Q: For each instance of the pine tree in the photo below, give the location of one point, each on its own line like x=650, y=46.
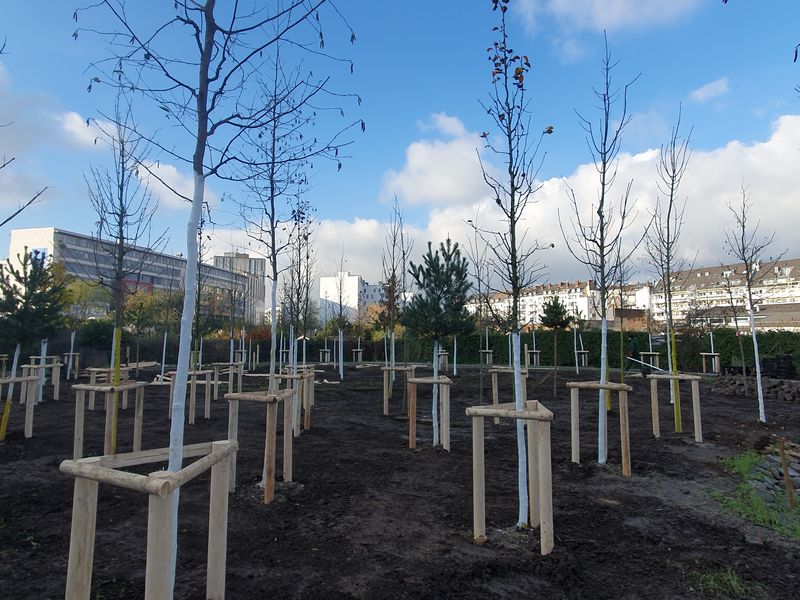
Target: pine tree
x=555, y=317
x=439, y=309
x=32, y=303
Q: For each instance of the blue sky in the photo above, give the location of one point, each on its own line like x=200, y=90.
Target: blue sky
x=421, y=70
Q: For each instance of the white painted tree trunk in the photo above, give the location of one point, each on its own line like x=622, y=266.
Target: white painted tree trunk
x=341, y=355
x=14, y=365
x=762, y=414
x=671, y=365
x=455, y=355
x=71, y=350
x=42, y=361
x=184, y=347
x=435, y=401
x=575, y=348
x=385, y=351
x=164, y=354
x=230, y=351
x=393, y=361
x=602, y=427
x=200, y=356
x=522, y=456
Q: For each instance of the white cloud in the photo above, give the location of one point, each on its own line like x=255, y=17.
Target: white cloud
x=713, y=89
x=168, y=185
x=599, y=15
x=439, y=171
x=78, y=131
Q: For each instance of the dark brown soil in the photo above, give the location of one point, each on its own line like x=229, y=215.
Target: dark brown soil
x=369, y=518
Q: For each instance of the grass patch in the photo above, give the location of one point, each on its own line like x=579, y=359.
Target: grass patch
x=726, y=583
x=749, y=504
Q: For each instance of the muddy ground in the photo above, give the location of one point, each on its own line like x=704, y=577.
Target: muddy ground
x=369, y=518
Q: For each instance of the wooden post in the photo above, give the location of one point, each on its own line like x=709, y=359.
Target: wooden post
x=81, y=544
x=269, y=451
x=527, y=358
x=624, y=436
x=137, y=419
x=157, y=581
x=308, y=386
x=56, y=379
x=77, y=443
x=111, y=409
x=233, y=434
x=478, y=482
x=444, y=399
x=545, y=489
x=287, y=440
x=412, y=415
x=230, y=377
x=192, y=397
x=386, y=383
x=575, y=422
x=494, y=394
x=654, y=408
x=698, y=425
x=533, y=469
x=297, y=400
x=218, y=526
x=30, y=402
x=207, y=412
x=240, y=373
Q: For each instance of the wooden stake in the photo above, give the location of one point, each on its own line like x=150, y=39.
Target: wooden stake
x=654, y=408
x=575, y=424
x=233, y=434
x=624, y=435
x=218, y=525
x=494, y=394
x=478, y=482
x=30, y=402
x=545, y=489
x=192, y=397
x=412, y=415
x=287, y=440
x=157, y=581
x=533, y=472
x=207, y=412
x=386, y=382
x=81, y=543
x=698, y=424
x=137, y=419
x=77, y=443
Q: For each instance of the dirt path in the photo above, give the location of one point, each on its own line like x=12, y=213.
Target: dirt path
x=368, y=518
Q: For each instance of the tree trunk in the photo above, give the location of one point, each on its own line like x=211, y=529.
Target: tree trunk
x=435, y=401
x=522, y=455
x=762, y=416
x=7, y=406
x=602, y=411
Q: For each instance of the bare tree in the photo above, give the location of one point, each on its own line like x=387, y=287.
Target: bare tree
x=302, y=268
x=747, y=245
x=516, y=147
x=662, y=238
x=735, y=309
x=204, y=82
x=124, y=245
x=5, y=161
x=596, y=242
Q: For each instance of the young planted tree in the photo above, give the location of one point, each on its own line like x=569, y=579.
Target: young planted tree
x=746, y=244
x=32, y=302
x=735, y=309
x=199, y=64
x=595, y=240
x=556, y=318
x=285, y=148
x=515, y=146
x=663, y=236
x=123, y=245
x=439, y=307
x=394, y=261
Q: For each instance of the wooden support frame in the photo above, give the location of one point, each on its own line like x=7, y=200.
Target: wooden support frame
x=536, y=355
x=104, y=375
x=583, y=357
x=55, y=374
x=358, y=355
x=324, y=356
x=409, y=370
x=715, y=362
x=160, y=487
x=192, y=381
x=444, y=384
x=540, y=487
x=109, y=391
x=624, y=434
x=505, y=370
x=270, y=442
x=28, y=392
x=651, y=358
x=696, y=416
x=302, y=387
x=230, y=369
x=3, y=365
x=486, y=357
x=443, y=356
x=76, y=363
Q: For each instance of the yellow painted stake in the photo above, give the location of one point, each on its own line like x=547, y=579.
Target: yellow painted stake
x=677, y=394
x=4, y=423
